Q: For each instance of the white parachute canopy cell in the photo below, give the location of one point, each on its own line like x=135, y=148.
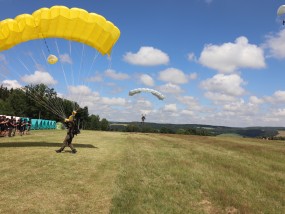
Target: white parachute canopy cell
x=281, y=10
x=154, y=92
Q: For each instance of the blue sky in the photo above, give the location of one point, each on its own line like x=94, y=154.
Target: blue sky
x=218, y=62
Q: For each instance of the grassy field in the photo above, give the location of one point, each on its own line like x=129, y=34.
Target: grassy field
x=281, y=133
x=141, y=173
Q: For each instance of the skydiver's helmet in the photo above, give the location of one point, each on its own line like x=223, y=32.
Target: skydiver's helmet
x=74, y=113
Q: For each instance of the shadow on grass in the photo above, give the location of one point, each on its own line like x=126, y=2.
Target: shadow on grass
x=42, y=144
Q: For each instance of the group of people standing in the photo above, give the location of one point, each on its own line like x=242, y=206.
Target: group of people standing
x=10, y=126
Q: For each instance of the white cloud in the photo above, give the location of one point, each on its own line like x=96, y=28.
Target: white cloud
x=279, y=112
x=40, y=67
x=227, y=85
x=255, y=100
x=229, y=57
x=147, y=56
x=219, y=97
x=96, y=78
x=193, y=76
x=276, y=45
x=277, y=97
x=113, y=101
x=170, y=88
x=116, y=75
x=191, y=102
x=170, y=107
x=65, y=58
x=144, y=103
x=173, y=75
x=11, y=84
x=79, y=90
x=146, y=80
x=192, y=57
x=39, y=77
x=187, y=112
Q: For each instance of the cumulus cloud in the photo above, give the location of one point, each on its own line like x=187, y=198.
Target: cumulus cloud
x=219, y=97
x=277, y=97
x=279, y=112
x=65, y=58
x=96, y=78
x=187, y=112
x=144, y=103
x=170, y=107
x=255, y=100
x=39, y=77
x=241, y=109
x=116, y=75
x=229, y=57
x=147, y=56
x=170, y=88
x=173, y=75
x=226, y=85
x=79, y=90
x=113, y=101
x=146, y=80
x=275, y=44
x=11, y=84
x=191, y=102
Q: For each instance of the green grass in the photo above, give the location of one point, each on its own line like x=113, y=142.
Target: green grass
x=141, y=173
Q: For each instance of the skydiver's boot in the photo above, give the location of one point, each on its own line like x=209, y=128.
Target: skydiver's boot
x=74, y=151
x=59, y=151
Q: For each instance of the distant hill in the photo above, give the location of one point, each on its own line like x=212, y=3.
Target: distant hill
x=213, y=130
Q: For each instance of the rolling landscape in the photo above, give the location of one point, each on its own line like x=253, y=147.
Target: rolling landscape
x=255, y=132
x=121, y=172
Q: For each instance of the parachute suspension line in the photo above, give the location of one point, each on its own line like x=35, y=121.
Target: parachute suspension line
x=52, y=102
x=44, y=55
x=38, y=98
x=24, y=65
x=44, y=104
x=46, y=45
x=7, y=69
x=72, y=71
x=57, y=103
x=80, y=69
x=63, y=71
x=45, y=41
x=4, y=70
x=34, y=60
x=61, y=65
x=108, y=68
x=3, y=74
x=92, y=64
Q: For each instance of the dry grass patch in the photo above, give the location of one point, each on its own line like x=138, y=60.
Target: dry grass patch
x=141, y=173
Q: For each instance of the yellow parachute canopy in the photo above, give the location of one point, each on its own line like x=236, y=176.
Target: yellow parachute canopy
x=52, y=59
x=60, y=22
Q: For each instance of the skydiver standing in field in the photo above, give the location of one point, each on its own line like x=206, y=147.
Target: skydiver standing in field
x=143, y=119
x=70, y=123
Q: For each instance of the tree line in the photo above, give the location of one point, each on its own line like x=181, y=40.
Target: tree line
x=17, y=102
